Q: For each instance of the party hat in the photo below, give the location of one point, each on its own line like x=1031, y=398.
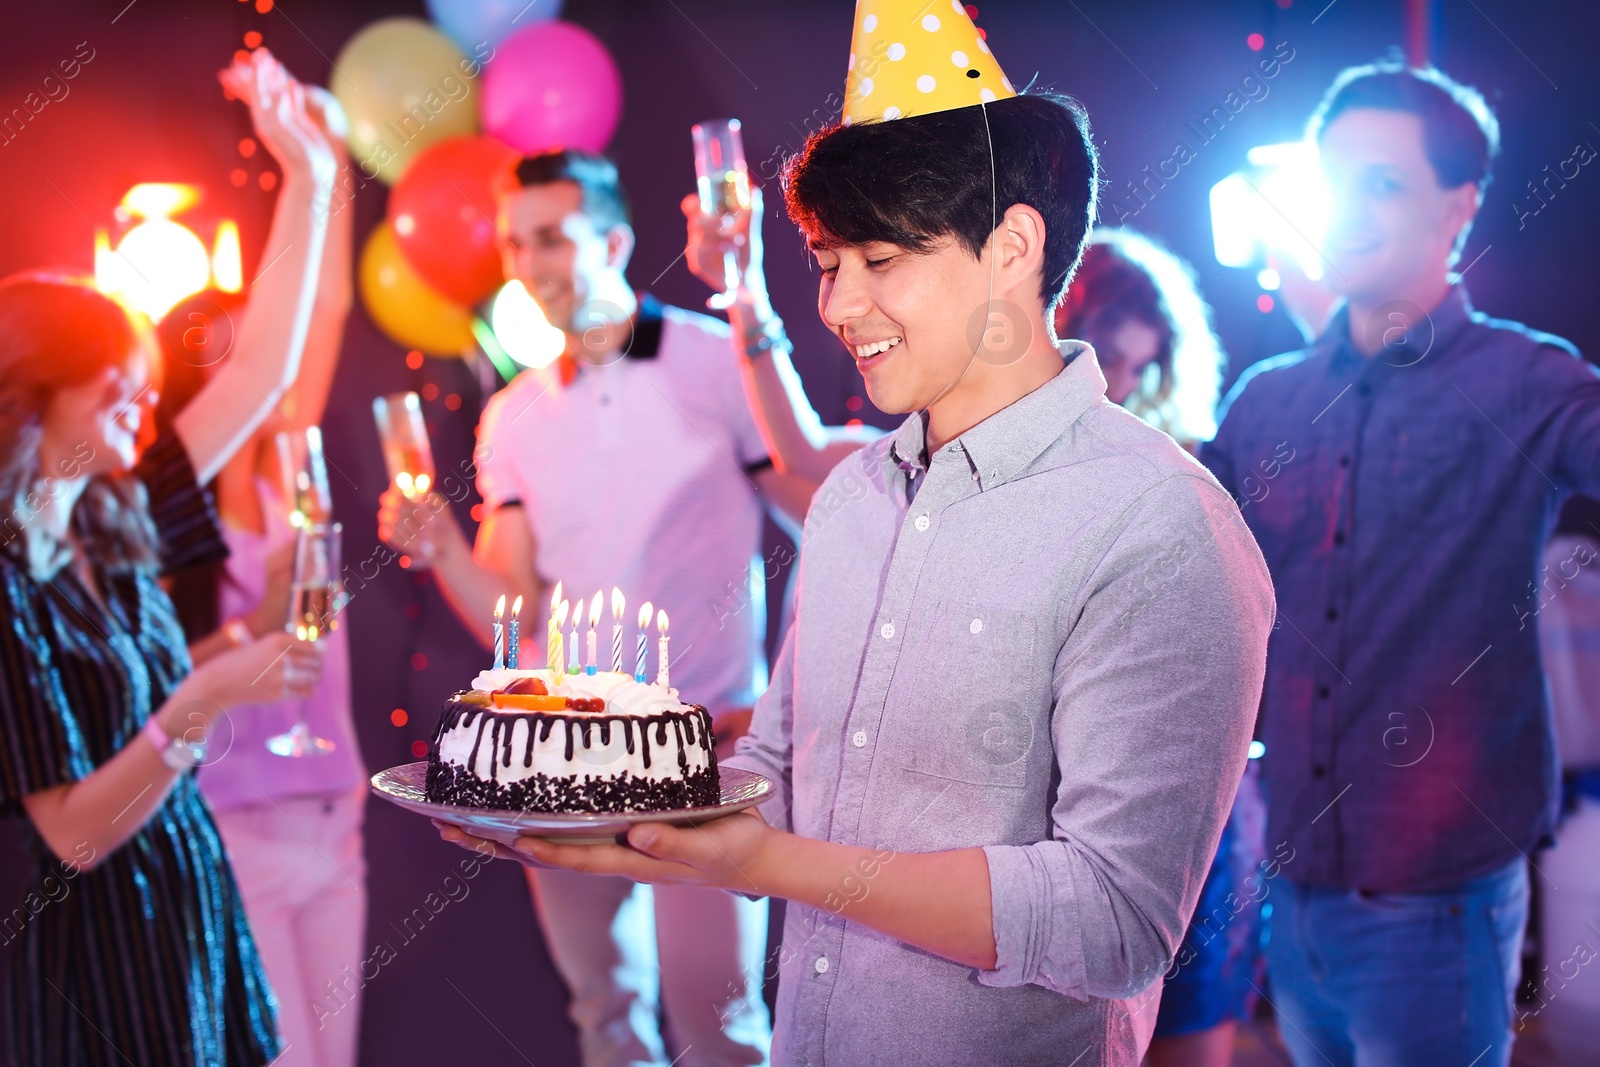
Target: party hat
x=916, y=57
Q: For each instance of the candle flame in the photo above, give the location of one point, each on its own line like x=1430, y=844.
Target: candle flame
x=555, y=599
x=516, y=608
x=500, y=608
x=561, y=615
x=618, y=604
x=644, y=615
x=594, y=609
x=661, y=620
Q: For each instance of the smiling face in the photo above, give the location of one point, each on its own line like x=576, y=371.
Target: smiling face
x=553, y=247
x=1391, y=224
x=93, y=428
x=907, y=318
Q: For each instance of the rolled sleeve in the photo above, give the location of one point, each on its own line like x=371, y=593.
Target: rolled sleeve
x=1157, y=686
x=768, y=748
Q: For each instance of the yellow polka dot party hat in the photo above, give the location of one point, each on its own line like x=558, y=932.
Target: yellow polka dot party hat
x=916, y=57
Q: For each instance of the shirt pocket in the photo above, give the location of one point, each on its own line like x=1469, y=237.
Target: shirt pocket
x=977, y=706
x=1431, y=474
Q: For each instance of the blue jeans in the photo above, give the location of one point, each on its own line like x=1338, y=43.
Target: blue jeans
x=1398, y=980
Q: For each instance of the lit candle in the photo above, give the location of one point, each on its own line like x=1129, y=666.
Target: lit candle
x=499, y=633
x=661, y=650
x=594, y=620
x=618, y=604
x=573, y=666
x=552, y=637
x=644, y=625
x=511, y=645
x=557, y=621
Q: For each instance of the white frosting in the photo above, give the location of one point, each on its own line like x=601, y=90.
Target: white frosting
x=601, y=759
x=623, y=695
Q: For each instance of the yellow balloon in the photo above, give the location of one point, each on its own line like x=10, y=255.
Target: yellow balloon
x=403, y=305
x=403, y=86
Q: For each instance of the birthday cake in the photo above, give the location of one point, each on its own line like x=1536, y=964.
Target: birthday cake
x=538, y=740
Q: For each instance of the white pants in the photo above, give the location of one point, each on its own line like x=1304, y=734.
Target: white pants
x=301, y=872
x=625, y=950
x=1568, y=1006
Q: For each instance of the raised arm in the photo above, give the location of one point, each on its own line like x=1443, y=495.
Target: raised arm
x=796, y=438
x=308, y=398
x=268, y=347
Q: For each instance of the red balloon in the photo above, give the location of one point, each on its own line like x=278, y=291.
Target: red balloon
x=442, y=210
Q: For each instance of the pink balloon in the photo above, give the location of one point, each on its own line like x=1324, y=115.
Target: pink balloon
x=552, y=85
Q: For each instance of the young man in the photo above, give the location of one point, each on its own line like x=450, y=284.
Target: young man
x=1403, y=475
x=635, y=463
x=1010, y=716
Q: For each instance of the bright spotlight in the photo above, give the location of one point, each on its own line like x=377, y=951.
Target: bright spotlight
x=1279, y=203
x=522, y=329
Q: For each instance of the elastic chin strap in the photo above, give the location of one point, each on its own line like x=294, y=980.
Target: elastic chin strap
x=994, y=223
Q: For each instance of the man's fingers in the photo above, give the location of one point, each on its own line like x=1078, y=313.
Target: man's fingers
x=602, y=859
x=457, y=836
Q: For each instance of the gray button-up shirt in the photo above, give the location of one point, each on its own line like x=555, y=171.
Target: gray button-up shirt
x=1402, y=502
x=1046, y=640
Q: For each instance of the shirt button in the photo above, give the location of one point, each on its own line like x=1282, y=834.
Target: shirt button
x=976, y=626
x=886, y=631
x=922, y=522
x=1319, y=771
x=1322, y=691
x=1344, y=461
x=1333, y=614
x=860, y=739
x=821, y=965
x=1338, y=538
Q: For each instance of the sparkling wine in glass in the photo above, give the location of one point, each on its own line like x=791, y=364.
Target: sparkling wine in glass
x=316, y=594
x=406, y=451
x=305, y=476
x=724, y=186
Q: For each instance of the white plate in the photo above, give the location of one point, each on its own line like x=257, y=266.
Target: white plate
x=404, y=785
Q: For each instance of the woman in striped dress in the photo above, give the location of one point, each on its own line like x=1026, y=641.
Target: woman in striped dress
x=130, y=945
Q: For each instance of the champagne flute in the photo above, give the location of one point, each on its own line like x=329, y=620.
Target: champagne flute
x=724, y=186
x=305, y=476
x=316, y=594
x=406, y=451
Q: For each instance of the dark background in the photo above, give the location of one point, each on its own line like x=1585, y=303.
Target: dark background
x=476, y=986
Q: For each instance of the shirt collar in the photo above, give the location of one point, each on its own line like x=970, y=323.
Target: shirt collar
x=1434, y=332
x=1006, y=443
x=644, y=342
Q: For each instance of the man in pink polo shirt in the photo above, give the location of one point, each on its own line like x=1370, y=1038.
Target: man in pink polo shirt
x=632, y=462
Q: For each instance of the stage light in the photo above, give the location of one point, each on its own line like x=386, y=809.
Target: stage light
x=1268, y=279
x=1277, y=204
x=225, y=266
x=159, y=262
x=160, y=200
x=521, y=328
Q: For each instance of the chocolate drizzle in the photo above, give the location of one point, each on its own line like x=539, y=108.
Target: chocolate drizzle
x=448, y=783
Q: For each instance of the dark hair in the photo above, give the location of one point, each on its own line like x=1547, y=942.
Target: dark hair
x=1125, y=276
x=1459, y=133
x=58, y=331
x=596, y=176
x=911, y=181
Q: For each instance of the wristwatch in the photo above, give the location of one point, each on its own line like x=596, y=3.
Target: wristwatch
x=178, y=753
x=771, y=337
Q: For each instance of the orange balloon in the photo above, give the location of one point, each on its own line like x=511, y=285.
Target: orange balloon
x=404, y=306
